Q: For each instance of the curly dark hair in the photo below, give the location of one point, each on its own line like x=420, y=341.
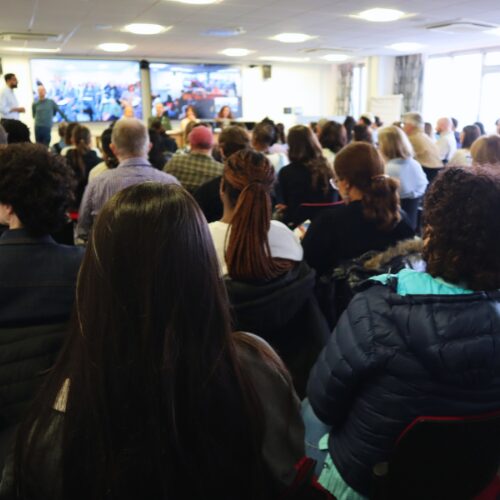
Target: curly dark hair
x=461, y=227
x=38, y=185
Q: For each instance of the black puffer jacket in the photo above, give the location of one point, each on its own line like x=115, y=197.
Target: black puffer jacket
x=392, y=358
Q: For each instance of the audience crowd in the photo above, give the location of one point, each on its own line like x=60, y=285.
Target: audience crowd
x=256, y=315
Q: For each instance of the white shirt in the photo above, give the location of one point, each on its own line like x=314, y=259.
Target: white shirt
x=284, y=244
x=277, y=160
x=8, y=100
x=447, y=146
x=462, y=158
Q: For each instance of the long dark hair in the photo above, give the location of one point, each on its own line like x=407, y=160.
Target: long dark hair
x=333, y=136
x=304, y=148
x=248, y=179
x=159, y=405
x=362, y=166
x=82, y=139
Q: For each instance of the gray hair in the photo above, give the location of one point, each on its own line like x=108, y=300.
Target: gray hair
x=130, y=137
x=414, y=119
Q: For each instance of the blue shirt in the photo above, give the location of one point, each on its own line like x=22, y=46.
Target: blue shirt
x=412, y=179
x=8, y=101
x=44, y=111
x=100, y=189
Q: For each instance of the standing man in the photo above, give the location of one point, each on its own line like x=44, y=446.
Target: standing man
x=446, y=144
x=9, y=107
x=43, y=111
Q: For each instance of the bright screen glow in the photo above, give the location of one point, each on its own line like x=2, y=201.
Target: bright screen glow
x=207, y=87
x=90, y=91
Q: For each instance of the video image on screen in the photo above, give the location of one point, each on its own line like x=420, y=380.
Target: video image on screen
x=206, y=87
x=90, y=90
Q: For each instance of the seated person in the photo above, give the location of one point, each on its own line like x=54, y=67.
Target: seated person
x=37, y=275
x=109, y=158
x=161, y=116
x=154, y=395
x=264, y=136
x=60, y=145
x=17, y=131
x=168, y=144
x=231, y=139
x=197, y=166
x=333, y=137
x=486, y=150
x=306, y=179
x=369, y=219
x=463, y=156
x=416, y=343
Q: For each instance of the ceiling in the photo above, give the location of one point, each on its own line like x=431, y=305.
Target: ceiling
x=84, y=24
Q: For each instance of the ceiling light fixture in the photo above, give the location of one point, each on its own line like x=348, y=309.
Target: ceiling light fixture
x=335, y=57
x=145, y=28
x=235, y=52
x=284, y=59
x=196, y=2
x=114, y=47
x=406, y=46
x=292, y=37
x=30, y=49
x=379, y=15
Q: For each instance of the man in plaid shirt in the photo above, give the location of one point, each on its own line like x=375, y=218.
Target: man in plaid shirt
x=196, y=167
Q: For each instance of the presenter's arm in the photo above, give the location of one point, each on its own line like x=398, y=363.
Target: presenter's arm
x=57, y=109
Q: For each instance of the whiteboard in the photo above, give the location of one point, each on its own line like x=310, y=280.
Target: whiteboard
x=387, y=107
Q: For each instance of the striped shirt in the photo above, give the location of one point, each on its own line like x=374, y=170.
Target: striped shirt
x=100, y=189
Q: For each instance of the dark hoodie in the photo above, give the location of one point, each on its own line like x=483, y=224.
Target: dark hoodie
x=395, y=356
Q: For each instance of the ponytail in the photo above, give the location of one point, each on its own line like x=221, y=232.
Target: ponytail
x=248, y=179
x=381, y=202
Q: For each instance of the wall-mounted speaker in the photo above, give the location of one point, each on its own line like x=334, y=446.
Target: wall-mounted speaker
x=266, y=71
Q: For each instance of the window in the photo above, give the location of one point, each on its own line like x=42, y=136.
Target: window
x=358, y=91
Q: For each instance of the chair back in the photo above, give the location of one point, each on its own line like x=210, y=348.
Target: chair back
x=441, y=458
x=410, y=206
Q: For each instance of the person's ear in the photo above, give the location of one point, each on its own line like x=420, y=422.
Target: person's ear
x=113, y=148
x=150, y=146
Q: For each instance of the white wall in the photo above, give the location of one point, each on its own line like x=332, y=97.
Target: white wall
x=308, y=89
x=380, y=76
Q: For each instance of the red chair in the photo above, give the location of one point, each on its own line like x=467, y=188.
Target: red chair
x=442, y=458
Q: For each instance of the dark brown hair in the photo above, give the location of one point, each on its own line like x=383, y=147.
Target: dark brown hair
x=471, y=133
x=333, y=136
x=81, y=140
x=68, y=137
x=264, y=134
x=461, y=227
x=232, y=139
x=230, y=117
x=160, y=404
x=248, y=179
x=304, y=148
x=362, y=166
x=361, y=133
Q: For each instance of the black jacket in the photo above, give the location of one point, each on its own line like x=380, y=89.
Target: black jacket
x=393, y=358
x=285, y=313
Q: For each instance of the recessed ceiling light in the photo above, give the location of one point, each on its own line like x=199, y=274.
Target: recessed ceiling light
x=196, y=2
x=114, y=47
x=335, y=57
x=284, y=59
x=234, y=52
x=292, y=37
x=30, y=49
x=406, y=46
x=379, y=15
x=145, y=29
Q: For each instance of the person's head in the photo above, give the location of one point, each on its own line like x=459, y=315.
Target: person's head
x=191, y=113
x=17, y=131
x=42, y=92
x=10, y=80
x=35, y=189
x=233, y=139
x=359, y=172
x=130, y=139
x=461, y=227
x=160, y=109
x=429, y=129
x=108, y=156
x=225, y=112
x=304, y=148
x=81, y=138
x=4, y=140
x=366, y=119
x=413, y=122
x=61, y=130
x=68, y=138
x=349, y=123
x=361, y=133
x=201, y=139
x=378, y=122
x=333, y=136
x=444, y=125
x=497, y=124
x=486, y=150
x=263, y=136
x=319, y=126
x=155, y=155
x=394, y=143
x=469, y=134
x=246, y=194
x=481, y=127
x=128, y=112
x=454, y=123
x=280, y=132
x=189, y=128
